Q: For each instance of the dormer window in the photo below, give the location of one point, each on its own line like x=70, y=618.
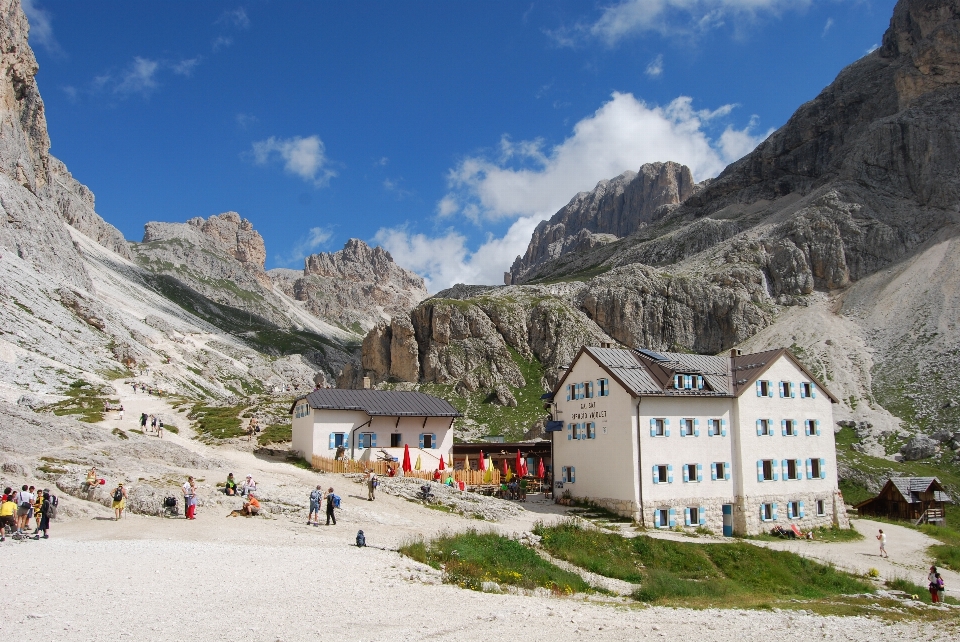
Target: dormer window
x=688, y=382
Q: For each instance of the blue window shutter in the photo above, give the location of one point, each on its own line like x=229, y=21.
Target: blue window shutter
x=784, y=468
x=673, y=517
x=669, y=473
x=656, y=475
x=771, y=424
x=817, y=425
x=763, y=513
x=723, y=427
x=702, y=517
x=759, y=427
x=798, y=464
x=333, y=441
x=809, y=469
x=776, y=472
x=713, y=472
x=583, y=430
x=433, y=441
x=806, y=427
x=573, y=474
x=666, y=427
x=656, y=519
x=568, y=392
x=593, y=430
x=696, y=427
x=823, y=469
x=759, y=392
x=726, y=471
x=699, y=383
x=421, y=441
x=699, y=472
x=686, y=517
x=653, y=427
x=796, y=432
x=774, y=511
x=569, y=432
x=813, y=390
x=759, y=470
x=683, y=428
x=360, y=441
x=780, y=388
x=686, y=473
x=374, y=443
x=783, y=427
x=801, y=510
x=793, y=393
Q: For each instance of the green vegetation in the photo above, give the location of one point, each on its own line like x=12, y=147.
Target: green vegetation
x=119, y=433
x=696, y=575
x=946, y=554
x=275, y=434
x=469, y=559
x=83, y=399
x=220, y=422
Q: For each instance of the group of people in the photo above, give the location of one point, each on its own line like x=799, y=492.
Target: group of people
x=18, y=507
x=332, y=501
x=514, y=490
x=935, y=585
x=247, y=489
x=142, y=387
x=151, y=424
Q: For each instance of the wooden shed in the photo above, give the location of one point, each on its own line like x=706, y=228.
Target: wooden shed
x=917, y=499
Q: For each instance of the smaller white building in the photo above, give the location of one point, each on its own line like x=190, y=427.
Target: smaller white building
x=364, y=422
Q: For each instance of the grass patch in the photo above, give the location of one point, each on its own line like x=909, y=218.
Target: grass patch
x=84, y=400
x=300, y=462
x=471, y=558
x=172, y=428
x=119, y=433
x=682, y=573
x=220, y=422
x=275, y=434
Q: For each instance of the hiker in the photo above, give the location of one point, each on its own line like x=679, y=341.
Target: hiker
x=372, y=484
x=143, y=420
x=153, y=423
x=8, y=513
x=119, y=501
x=523, y=489
x=24, y=507
x=37, y=510
x=230, y=488
x=932, y=585
x=120, y=415
x=189, y=499
x=91, y=479
x=251, y=507
x=160, y=428
x=316, y=496
x=940, y=587
x=44, y=523
x=249, y=486
x=882, y=537
x=330, y=507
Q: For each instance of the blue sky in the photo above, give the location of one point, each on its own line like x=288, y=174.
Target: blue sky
x=442, y=130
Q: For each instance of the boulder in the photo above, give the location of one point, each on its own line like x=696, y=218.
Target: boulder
x=920, y=447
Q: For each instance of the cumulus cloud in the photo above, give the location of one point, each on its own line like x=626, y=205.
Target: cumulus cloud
x=220, y=42
x=139, y=78
x=315, y=239
x=303, y=157
x=41, y=27
x=669, y=18
x=528, y=181
x=185, y=67
x=234, y=18
x=655, y=68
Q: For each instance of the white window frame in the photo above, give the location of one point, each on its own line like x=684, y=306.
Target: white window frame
x=661, y=427
x=765, y=430
x=816, y=471
x=399, y=437
x=428, y=440
x=772, y=464
x=821, y=507
x=685, y=424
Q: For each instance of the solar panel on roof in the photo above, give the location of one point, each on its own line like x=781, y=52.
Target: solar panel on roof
x=653, y=355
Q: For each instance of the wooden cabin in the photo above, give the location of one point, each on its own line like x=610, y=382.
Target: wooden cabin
x=917, y=499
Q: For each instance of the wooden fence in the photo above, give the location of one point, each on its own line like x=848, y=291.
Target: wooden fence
x=468, y=477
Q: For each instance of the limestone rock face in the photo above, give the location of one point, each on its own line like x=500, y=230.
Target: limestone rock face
x=236, y=235
x=356, y=287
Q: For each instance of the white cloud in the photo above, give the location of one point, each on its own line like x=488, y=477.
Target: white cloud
x=304, y=157
x=140, y=77
x=220, y=42
x=245, y=120
x=827, y=27
x=872, y=48
x=41, y=27
x=185, y=67
x=655, y=68
x=234, y=18
x=316, y=238
x=382, y=162
x=670, y=18
x=529, y=182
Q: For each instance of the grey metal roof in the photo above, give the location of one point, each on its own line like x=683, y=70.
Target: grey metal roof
x=637, y=374
x=391, y=403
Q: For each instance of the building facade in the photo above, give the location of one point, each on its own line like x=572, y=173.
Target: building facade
x=362, y=423
x=733, y=444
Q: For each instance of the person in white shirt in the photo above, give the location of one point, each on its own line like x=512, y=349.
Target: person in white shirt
x=249, y=486
x=189, y=499
x=882, y=537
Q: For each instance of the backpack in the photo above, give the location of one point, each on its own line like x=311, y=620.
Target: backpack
x=118, y=495
x=336, y=501
x=361, y=539
x=375, y=482
x=54, y=501
x=315, y=496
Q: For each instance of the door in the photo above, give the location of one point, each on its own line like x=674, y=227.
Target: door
x=728, y=520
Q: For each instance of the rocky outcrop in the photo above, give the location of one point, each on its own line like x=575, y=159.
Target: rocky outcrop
x=236, y=236
x=920, y=447
x=357, y=286
x=614, y=209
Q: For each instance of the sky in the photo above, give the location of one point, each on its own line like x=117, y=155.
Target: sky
x=444, y=131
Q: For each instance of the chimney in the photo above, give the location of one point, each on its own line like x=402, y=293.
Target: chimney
x=734, y=353
x=366, y=383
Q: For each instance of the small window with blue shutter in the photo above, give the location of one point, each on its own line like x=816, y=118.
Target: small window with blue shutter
x=570, y=432
x=691, y=472
x=815, y=466
x=591, y=430
x=420, y=444
x=669, y=473
x=687, y=427
x=588, y=387
x=662, y=516
x=673, y=517
x=604, y=387
x=808, y=390
x=768, y=512
x=569, y=392
x=658, y=427
x=766, y=470
x=713, y=472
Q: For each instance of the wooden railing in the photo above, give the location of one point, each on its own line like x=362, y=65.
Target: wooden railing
x=468, y=477
x=929, y=516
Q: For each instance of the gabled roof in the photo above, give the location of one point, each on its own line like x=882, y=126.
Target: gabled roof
x=644, y=372
x=910, y=488
x=390, y=403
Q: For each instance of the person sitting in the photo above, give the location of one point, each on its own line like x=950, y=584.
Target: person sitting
x=449, y=481
x=230, y=488
x=391, y=471
x=251, y=507
x=437, y=475
x=249, y=486
x=91, y=479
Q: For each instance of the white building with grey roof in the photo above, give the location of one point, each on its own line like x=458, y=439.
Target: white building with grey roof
x=362, y=423
x=733, y=444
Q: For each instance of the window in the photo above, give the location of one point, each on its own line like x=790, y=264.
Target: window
x=427, y=440
x=792, y=470
x=795, y=510
x=808, y=390
x=568, y=474
x=766, y=470
x=661, y=518
x=764, y=388
x=603, y=387
x=815, y=469
x=301, y=410
x=396, y=440
x=338, y=440
x=659, y=427
x=717, y=427
x=588, y=387
x=720, y=471
x=821, y=508
x=688, y=427
x=786, y=389
x=591, y=430
x=788, y=427
x=694, y=516
x=812, y=427
x=768, y=512
x=763, y=428
x=367, y=440
x=663, y=474
x=692, y=472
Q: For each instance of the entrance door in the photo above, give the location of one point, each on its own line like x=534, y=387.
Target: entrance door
x=728, y=520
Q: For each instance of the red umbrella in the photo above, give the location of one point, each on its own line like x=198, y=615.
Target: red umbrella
x=506, y=466
x=526, y=471
x=541, y=472
x=406, y=458
x=442, y=465
x=519, y=466
x=483, y=464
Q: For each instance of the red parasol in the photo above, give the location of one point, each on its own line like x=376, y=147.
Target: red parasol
x=526, y=470
x=541, y=472
x=442, y=465
x=406, y=458
x=519, y=466
x=506, y=466
x=483, y=464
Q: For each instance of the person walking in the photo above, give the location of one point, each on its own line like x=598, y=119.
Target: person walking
x=372, y=484
x=160, y=428
x=120, y=414
x=44, y=524
x=316, y=496
x=143, y=420
x=330, y=507
x=933, y=585
x=882, y=537
x=119, y=501
x=153, y=423
x=189, y=499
